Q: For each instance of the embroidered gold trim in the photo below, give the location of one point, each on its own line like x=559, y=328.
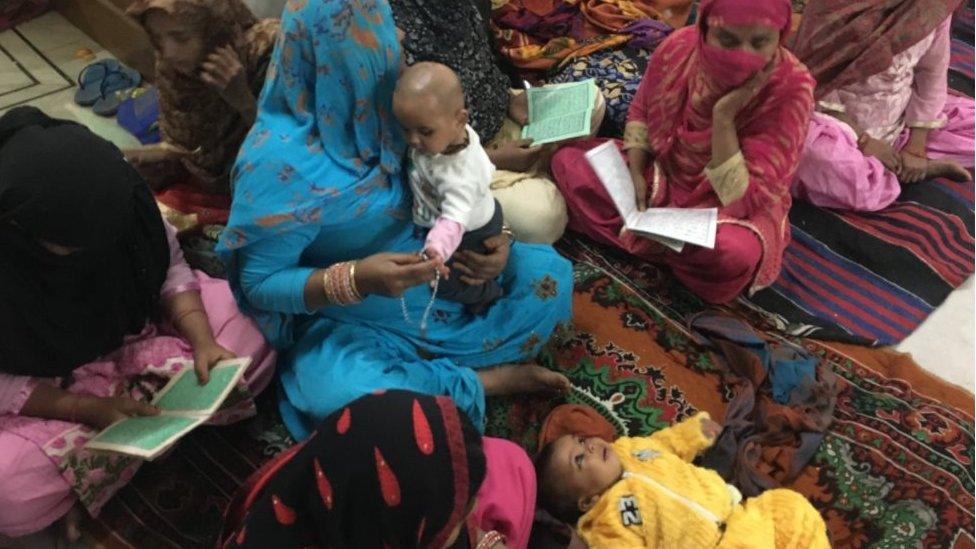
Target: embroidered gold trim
x=730, y=180
x=635, y=136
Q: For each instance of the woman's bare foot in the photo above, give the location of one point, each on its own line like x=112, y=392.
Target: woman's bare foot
x=509, y=379
x=949, y=169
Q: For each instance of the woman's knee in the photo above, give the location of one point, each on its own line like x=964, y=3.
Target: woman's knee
x=33, y=494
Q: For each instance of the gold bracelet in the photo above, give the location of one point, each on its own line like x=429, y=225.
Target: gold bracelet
x=325, y=285
x=352, y=280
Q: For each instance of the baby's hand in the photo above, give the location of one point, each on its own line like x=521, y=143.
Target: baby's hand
x=432, y=254
x=710, y=428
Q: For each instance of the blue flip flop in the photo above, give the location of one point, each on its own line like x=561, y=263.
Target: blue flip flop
x=90, y=81
x=114, y=90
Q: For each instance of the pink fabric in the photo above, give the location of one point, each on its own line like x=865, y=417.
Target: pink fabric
x=834, y=173
x=46, y=455
x=14, y=392
x=675, y=101
x=717, y=275
x=730, y=68
x=911, y=91
x=506, y=500
x=444, y=238
x=772, y=13
x=179, y=277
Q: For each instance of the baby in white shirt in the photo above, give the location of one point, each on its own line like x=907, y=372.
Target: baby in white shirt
x=449, y=173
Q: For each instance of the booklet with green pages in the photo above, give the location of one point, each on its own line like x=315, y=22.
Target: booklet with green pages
x=560, y=111
x=183, y=405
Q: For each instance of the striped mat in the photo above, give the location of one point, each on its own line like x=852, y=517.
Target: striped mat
x=872, y=278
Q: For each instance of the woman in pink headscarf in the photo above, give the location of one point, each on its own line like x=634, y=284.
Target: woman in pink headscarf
x=718, y=121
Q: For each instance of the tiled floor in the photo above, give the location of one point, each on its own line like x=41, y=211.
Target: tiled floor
x=41, y=58
x=39, y=62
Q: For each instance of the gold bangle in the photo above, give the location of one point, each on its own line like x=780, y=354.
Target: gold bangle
x=352, y=280
x=325, y=285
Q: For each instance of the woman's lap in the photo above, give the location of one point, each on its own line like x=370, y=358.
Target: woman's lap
x=24, y=462
x=834, y=173
x=352, y=352
x=716, y=275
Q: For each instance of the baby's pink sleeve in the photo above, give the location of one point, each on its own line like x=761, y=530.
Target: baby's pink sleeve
x=444, y=238
x=14, y=392
x=179, y=277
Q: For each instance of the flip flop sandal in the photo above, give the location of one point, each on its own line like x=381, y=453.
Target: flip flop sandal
x=90, y=81
x=115, y=89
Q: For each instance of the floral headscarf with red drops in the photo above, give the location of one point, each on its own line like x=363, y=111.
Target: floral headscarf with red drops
x=396, y=469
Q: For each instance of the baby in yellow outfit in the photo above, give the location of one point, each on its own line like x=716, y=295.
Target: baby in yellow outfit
x=645, y=492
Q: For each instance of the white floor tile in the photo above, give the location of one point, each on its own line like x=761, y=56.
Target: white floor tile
x=945, y=344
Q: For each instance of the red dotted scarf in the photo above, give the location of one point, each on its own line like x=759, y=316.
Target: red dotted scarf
x=396, y=469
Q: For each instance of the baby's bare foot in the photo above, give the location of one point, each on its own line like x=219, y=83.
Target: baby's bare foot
x=510, y=379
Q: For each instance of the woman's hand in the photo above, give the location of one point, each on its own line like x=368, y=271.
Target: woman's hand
x=475, y=268
x=391, y=274
x=731, y=103
x=152, y=154
x=883, y=152
x=206, y=357
x=103, y=411
x=224, y=72
x=518, y=107
x=913, y=168
x=640, y=189
x=515, y=156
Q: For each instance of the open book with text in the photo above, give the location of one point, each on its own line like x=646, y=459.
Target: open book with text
x=183, y=405
x=672, y=227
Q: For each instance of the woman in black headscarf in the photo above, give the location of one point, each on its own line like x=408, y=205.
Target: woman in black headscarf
x=97, y=308
x=392, y=469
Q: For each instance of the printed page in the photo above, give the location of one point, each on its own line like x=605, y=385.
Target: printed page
x=612, y=171
x=184, y=395
x=144, y=436
x=669, y=226
x=692, y=225
x=559, y=112
x=184, y=404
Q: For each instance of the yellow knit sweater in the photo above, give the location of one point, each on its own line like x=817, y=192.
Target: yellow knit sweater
x=665, y=501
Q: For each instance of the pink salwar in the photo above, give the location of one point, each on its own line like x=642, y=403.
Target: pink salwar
x=834, y=173
x=44, y=470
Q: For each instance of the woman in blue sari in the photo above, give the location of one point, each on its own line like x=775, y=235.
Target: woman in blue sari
x=318, y=182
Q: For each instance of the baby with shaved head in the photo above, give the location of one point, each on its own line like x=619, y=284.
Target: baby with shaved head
x=450, y=175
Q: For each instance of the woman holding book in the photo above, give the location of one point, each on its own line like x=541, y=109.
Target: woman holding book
x=97, y=310
x=718, y=121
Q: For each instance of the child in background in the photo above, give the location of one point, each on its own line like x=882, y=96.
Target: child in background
x=645, y=492
x=450, y=175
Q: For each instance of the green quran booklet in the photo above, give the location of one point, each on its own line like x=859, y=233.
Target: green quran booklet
x=560, y=111
x=183, y=405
